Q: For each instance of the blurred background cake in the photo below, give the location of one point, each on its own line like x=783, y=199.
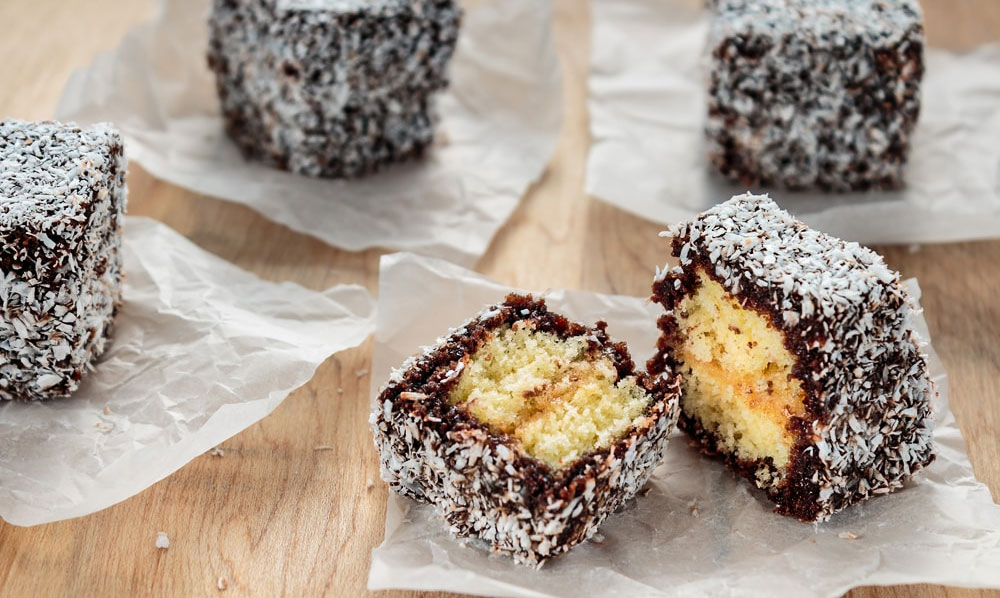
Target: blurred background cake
x=331, y=88
x=814, y=93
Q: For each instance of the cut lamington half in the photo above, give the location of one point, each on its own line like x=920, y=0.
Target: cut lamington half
x=523, y=429
x=801, y=366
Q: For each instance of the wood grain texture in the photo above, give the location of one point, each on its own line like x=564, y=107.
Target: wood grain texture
x=275, y=515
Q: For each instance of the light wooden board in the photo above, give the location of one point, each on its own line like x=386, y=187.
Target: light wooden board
x=276, y=517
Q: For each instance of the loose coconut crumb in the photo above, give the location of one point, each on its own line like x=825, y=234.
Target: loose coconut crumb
x=162, y=541
x=217, y=452
x=222, y=584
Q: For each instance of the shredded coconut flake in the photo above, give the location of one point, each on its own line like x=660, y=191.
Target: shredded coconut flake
x=162, y=541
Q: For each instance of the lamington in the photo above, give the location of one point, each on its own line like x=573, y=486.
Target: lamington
x=801, y=366
x=62, y=204
x=523, y=429
x=331, y=88
x=814, y=93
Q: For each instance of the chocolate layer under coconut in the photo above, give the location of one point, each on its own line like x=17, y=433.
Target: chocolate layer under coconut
x=492, y=482
x=801, y=365
x=62, y=203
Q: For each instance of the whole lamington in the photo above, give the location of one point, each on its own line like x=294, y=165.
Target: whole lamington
x=332, y=88
x=523, y=429
x=62, y=203
x=801, y=366
x=814, y=93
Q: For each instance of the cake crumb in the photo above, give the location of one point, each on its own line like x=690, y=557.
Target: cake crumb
x=597, y=538
x=361, y=373
x=217, y=452
x=222, y=584
x=323, y=447
x=106, y=410
x=104, y=427
x=848, y=535
x=370, y=484
x=693, y=508
x=162, y=541
x=340, y=390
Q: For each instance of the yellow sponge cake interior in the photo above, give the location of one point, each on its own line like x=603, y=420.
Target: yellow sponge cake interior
x=738, y=376
x=558, y=399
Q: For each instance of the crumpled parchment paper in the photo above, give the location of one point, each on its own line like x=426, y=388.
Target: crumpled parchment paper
x=648, y=156
x=500, y=119
x=201, y=350
x=699, y=531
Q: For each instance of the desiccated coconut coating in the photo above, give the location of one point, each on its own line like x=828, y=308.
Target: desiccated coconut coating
x=814, y=93
x=485, y=484
x=333, y=88
x=846, y=319
x=62, y=203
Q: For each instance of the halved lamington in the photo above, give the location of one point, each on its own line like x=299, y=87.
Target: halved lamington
x=62, y=203
x=801, y=366
x=523, y=428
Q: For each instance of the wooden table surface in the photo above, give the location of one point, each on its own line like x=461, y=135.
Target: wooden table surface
x=275, y=517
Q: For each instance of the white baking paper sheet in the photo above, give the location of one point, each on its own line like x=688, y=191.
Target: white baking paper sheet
x=699, y=531
x=647, y=111
x=201, y=350
x=499, y=124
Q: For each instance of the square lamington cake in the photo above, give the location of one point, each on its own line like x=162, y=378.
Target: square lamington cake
x=801, y=366
x=814, y=93
x=332, y=88
x=62, y=203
